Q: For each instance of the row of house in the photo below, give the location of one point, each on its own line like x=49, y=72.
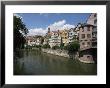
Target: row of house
x=56, y=37
x=34, y=40
x=85, y=33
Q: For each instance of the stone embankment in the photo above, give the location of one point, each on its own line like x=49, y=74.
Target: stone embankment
x=58, y=52
x=64, y=53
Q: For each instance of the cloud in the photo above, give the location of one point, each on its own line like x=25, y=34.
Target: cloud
x=68, y=26
x=37, y=31
x=59, y=25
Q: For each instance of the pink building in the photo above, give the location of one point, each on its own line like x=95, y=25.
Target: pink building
x=88, y=40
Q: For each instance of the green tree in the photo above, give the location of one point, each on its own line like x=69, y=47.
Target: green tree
x=61, y=44
x=55, y=47
x=46, y=46
x=20, y=32
x=73, y=48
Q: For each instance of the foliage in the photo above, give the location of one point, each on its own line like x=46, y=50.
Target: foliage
x=73, y=47
x=46, y=46
x=66, y=47
x=55, y=47
x=37, y=46
x=20, y=31
x=61, y=44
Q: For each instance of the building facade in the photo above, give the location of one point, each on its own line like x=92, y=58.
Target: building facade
x=88, y=39
x=71, y=35
x=55, y=39
x=33, y=40
x=64, y=36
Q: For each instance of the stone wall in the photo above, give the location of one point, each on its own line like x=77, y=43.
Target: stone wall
x=64, y=53
x=58, y=52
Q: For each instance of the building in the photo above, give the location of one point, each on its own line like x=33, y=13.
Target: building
x=76, y=29
x=85, y=40
x=71, y=34
x=85, y=36
x=88, y=39
x=55, y=39
x=92, y=20
x=34, y=40
x=45, y=40
x=64, y=36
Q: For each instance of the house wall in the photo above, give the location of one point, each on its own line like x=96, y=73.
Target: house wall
x=85, y=42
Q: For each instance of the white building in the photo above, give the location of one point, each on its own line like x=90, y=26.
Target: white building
x=71, y=35
x=55, y=39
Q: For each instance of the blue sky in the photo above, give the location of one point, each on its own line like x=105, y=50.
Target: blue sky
x=37, y=22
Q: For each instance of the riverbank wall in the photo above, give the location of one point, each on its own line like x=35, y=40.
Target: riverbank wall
x=57, y=52
x=64, y=53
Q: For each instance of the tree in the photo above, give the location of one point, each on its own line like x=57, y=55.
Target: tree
x=61, y=44
x=73, y=48
x=46, y=46
x=20, y=31
x=55, y=47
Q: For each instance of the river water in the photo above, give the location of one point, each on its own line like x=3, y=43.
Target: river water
x=34, y=62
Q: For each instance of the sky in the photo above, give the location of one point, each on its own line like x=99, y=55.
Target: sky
x=38, y=23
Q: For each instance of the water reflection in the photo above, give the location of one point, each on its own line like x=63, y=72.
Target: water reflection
x=34, y=62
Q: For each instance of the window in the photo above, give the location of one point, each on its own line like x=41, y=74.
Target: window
x=88, y=28
x=88, y=57
x=88, y=36
x=88, y=43
x=83, y=35
x=83, y=43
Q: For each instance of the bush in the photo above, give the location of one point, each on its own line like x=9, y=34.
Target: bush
x=55, y=47
x=46, y=46
x=61, y=45
x=73, y=47
x=66, y=47
x=37, y=46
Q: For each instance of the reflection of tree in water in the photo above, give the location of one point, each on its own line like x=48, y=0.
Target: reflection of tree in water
x=19, y=62
x=19, y=67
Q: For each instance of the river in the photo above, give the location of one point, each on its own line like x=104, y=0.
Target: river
x=34, y=62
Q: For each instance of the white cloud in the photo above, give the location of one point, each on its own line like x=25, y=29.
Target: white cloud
x=60, y=25
x=37, y=31
x=68, y=26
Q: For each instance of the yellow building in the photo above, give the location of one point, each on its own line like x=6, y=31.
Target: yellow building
x=64, y=35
